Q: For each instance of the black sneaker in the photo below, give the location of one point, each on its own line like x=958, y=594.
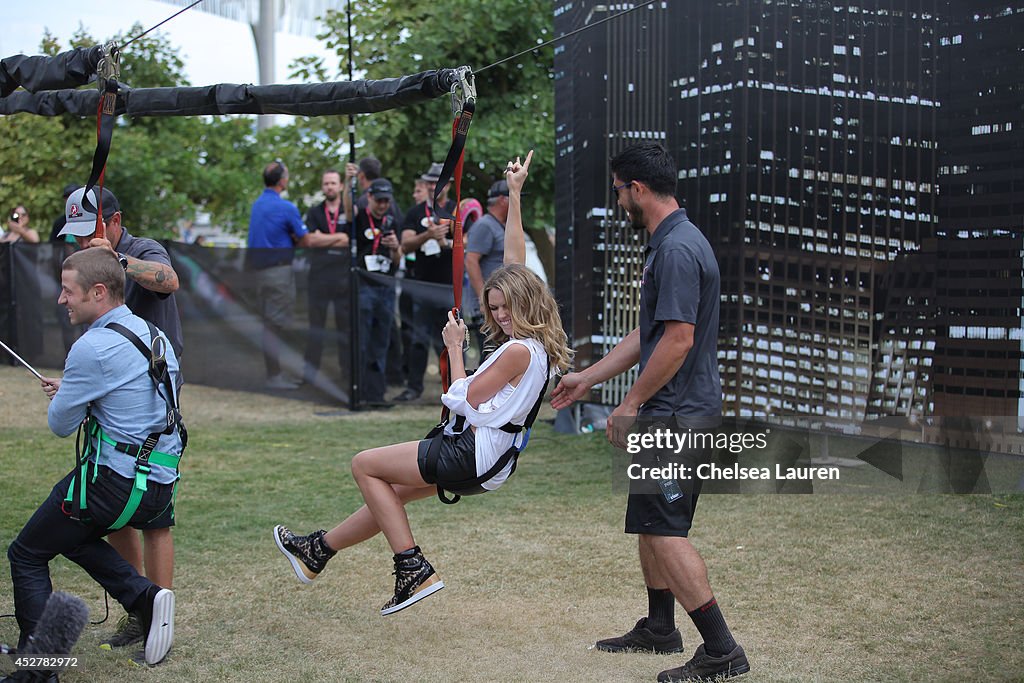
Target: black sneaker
x=704, y=667
x=129, y=631
x=415, y=579
x=156, y=615
x=308, y=554
x=642, y=639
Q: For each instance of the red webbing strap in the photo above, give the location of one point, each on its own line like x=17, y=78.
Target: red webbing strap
x=458, y=249
x=460, y=127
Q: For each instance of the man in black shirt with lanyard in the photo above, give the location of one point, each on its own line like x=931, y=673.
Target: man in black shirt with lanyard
x=378, y=252
x=328, y=270
x=430, y=238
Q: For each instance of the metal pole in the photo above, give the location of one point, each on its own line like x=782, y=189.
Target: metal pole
x=353, y=279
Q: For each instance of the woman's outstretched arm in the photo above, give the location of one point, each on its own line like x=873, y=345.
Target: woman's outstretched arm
x=515, y=239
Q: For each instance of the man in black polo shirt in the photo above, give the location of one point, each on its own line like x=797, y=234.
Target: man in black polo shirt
x=328, y=273
x=378, y=251
x=430, y=239
x=676, y=346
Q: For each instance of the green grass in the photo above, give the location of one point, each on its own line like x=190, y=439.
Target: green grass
x=816, y=587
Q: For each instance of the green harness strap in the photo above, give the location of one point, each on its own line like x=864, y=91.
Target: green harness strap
x=94, y=434
x=144, y=454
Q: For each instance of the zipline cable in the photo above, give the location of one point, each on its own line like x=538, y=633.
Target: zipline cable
x=160, y=24
x=571, y=33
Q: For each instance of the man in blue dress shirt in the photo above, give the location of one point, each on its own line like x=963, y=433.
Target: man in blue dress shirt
x=275, y=229
x=106, y=379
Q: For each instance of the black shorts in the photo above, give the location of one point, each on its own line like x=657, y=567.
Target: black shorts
x=651, y=513
x=155, y=511
x=455, y=462
x=164, y=521
x=648, y=509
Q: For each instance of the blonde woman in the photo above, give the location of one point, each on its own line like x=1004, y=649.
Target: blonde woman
x=521, y=318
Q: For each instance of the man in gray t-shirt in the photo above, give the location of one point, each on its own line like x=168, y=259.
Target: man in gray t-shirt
x=676, y=347
x=485, y=250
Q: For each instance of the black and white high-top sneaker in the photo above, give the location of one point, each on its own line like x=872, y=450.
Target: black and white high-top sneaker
x=415, y=579
x=307, y=554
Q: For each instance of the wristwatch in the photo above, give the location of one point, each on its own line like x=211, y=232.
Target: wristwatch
x=123, y=260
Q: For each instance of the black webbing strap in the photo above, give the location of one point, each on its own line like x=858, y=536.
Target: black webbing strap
x=511, y=455
x=105, y=117
x=454, y=158
x=161, y=377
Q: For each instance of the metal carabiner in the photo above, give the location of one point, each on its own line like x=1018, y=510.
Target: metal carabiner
x=463, y=89
x=159, y=350
x=109, y=66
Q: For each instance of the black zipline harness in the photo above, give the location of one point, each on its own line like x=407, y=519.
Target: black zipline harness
x=107, y=73
x=74, y=504
x=436, y=437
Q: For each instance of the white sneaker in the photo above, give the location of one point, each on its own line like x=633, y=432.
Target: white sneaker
x=281, y=382
x=160, y=634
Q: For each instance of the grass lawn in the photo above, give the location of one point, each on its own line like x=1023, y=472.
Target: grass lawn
x=816, y=587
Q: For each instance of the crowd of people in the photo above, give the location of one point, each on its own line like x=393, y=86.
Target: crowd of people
x=121, y=383
x=395, y=332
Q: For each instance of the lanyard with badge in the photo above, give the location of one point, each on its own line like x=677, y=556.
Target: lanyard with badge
x=431, y=247
x=375, y=263
x=332, y=223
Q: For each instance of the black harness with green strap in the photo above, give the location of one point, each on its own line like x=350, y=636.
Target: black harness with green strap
x=75, y=503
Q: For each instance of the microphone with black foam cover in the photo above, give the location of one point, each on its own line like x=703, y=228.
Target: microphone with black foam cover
x=61, y=624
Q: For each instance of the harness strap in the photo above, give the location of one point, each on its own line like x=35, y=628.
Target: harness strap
x=510, y=455
x=155, y=457
x=453, y=164
x=104, y=134
x=144, y=453
x=161, y=376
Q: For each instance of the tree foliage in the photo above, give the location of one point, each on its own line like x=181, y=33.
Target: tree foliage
x=515, y=109
x=161, y=168
x=165, y=168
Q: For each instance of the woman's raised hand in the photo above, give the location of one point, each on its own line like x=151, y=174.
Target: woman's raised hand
x=516, y=172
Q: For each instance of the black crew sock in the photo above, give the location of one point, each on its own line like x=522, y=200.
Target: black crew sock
x=661, y=610
x=708, y=619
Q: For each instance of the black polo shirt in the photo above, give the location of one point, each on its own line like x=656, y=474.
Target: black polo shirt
x=435, y=267
x=333, y=262
x=158, y=308
x=681, y=282
x=369, y=232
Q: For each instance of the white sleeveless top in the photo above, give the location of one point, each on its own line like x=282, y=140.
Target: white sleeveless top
x=510, y=404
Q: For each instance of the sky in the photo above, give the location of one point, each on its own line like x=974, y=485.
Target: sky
x=214, y=50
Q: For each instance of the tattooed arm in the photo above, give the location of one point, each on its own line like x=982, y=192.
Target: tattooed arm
x=153, y=275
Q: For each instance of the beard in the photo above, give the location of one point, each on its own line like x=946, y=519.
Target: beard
x=636, y=217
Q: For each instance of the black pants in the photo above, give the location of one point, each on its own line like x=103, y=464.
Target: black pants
x=323, y=293
x=50, y=532
x=427, y=321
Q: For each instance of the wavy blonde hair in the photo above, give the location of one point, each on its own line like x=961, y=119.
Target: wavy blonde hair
x=534, y=313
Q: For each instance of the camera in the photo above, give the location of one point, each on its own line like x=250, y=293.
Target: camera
x=15, y=216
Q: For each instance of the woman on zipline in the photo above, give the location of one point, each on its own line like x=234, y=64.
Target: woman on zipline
x=521, y=317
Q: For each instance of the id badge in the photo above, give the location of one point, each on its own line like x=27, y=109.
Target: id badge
x=431, y=248
x=670, y=489
x=376, y=263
